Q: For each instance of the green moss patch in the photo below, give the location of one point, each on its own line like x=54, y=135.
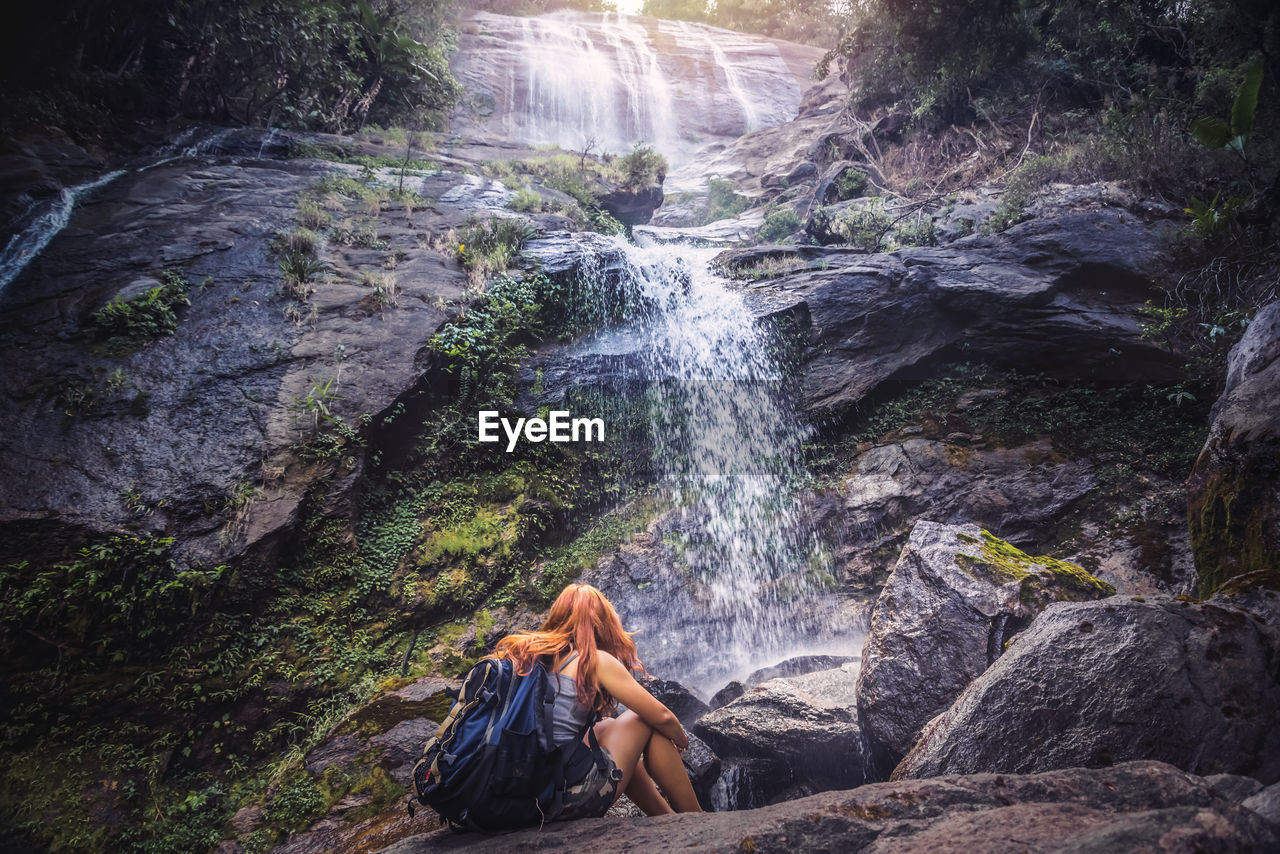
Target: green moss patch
x=1042, y=578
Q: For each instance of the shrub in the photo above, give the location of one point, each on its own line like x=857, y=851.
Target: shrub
x=865, y=227
x=494, y=245
x=151, y=314
x=526, y=199
x=851, y=184
x=723, y=201
x=643, y=167
x=779, y=223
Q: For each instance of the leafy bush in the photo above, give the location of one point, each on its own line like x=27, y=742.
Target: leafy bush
x=643, y=167
x=851, y=184
x=325, y=64
x=152, y=314
x=108, y=598
x=865, y=226
x=723, y=201
x=526, y=199
x=779, y=223
x=492, y=246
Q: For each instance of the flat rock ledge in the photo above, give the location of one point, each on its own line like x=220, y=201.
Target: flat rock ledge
x=1128, y=807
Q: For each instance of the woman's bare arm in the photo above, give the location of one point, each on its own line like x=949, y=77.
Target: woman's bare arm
x=614, y=677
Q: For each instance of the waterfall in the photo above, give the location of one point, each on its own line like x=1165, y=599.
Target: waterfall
x=24, y=246
x=568, y=78
x=571, y=93
x=727, y=445
x=732, y=76
x=31, y=241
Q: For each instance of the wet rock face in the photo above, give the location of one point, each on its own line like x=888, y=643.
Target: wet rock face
x=1060, y=293
x=1093, y=683
x=956, y=596
x=787, y=737
x=168, y=438
x=572, y=78
x=368, y=760
x=1233, y=494
x=1135, y=806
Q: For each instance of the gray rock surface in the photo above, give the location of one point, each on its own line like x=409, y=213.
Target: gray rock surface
x=1266, y=803
x=953, y=601
x=798, y=731
x=1092, y=683
x=169, y=439
x=1233, y=494
x=1060, y=294
x=1131, y=807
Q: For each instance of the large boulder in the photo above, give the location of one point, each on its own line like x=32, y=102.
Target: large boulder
x=1092, y=683
x=1138, y=806
x=1062, y=293
x=786, y=737
x=955, y=598
x=1233, y=494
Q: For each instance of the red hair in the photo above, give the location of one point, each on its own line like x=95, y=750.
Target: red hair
x=581, y=619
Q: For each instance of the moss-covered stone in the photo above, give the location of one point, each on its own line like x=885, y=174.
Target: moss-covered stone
x=1231, y=509
x=1042, y=578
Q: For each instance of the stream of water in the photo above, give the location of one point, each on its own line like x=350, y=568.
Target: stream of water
x=727, y=444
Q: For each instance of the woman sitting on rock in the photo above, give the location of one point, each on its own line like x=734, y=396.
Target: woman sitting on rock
x=590, y=656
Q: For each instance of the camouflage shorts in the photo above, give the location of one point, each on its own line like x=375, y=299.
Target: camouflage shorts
x=594, y=794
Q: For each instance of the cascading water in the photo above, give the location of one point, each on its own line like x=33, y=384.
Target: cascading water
x=573, y=78
x=727, y=445
x=25, y=245
x=31, y=241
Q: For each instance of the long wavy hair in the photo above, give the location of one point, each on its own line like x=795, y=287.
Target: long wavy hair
x=583, y=620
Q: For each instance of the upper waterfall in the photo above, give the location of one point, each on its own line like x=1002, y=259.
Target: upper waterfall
x=573, y=78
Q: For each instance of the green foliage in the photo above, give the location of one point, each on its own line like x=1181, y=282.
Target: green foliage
x=851, y=184
x=526, y=200
x=1217, y=133
x=493, y=246
x=108, y=598
x=317, y=404
x=865, y=226
x=562, y=564
x=297, y=804
x=780, y=222
x=723, y=201
x=1214, y=220
x=916, y=230
x=150, y=315
x=296, y=251
x=300, y=63
x=642, y=168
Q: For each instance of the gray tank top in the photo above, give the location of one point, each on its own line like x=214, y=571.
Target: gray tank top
x=569, y=717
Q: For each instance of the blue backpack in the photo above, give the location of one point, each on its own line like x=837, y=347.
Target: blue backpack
x=493, y=765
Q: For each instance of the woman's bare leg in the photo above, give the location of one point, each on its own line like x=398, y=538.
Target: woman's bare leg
x=625, y=738
x=644, y=794
x=667, y=767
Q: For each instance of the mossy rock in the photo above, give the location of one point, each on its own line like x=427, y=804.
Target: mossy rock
x=421, y=698
x=1043, y=579
x=1231, y=510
